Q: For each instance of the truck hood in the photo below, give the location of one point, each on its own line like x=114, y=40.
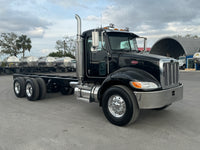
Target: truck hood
x=136, y=58
x=147, y=62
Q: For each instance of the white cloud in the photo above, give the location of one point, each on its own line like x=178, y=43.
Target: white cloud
x=45, y=51
x=72, y=3
x=17, y=21
x=177, y=27
x=37, y=32
x=61, y=28
x=92, y=18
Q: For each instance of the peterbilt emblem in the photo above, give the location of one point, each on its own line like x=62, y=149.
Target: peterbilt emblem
x=134, y=62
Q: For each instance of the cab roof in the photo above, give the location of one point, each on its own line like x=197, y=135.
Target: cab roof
x=109, y=31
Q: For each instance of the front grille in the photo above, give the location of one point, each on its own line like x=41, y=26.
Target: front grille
x=169, y=76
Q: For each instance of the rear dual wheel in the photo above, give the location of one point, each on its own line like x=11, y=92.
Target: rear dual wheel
x=42, y=88
x=35, y=89
x=19, y=87
x=32, y=88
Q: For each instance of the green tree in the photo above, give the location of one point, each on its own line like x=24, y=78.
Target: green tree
x=60, y=54
x=66, y=45
x=56, y=54
x=8, y=44
x=24, y=43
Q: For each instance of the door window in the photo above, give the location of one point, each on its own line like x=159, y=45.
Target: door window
x=96, y=58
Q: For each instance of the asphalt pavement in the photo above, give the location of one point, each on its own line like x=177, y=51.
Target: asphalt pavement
x=63, y=123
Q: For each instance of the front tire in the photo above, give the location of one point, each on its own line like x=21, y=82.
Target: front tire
x=120, y=105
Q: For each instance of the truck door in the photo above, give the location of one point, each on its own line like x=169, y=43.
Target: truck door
x=96, y=59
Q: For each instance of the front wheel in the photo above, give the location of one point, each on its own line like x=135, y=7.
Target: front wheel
x=120, y=105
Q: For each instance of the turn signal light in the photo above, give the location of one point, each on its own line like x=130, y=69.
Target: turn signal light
x=144, y=85
x=137, y=85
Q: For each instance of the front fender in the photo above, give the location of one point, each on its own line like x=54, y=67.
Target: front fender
x=123, y=76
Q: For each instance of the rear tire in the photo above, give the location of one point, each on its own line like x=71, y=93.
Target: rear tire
x=19, y=87
x=32, y=89
x=42, y=88
x=120, y=106
x=67, y=90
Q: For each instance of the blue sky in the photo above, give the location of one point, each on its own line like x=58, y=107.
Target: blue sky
x=46, y=21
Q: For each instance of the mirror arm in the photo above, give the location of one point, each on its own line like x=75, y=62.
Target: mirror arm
x=102, y=41
x=102, y=33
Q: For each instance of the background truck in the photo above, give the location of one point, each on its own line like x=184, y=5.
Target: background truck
x=182, y=62
x=111, y=71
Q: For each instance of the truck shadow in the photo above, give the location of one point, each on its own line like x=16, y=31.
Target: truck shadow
x=58, y=97
x=156, y=118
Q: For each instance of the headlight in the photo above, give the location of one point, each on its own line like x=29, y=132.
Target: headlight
x=144, y=85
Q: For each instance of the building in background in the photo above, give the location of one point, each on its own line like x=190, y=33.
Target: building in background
x=176, y=47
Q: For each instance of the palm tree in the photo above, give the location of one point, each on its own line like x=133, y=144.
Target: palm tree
x=24, y=43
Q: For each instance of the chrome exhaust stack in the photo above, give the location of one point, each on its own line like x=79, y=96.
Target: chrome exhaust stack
x=79, y=52
x=87, y=93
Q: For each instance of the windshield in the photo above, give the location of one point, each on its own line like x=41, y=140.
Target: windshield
x=123, y=42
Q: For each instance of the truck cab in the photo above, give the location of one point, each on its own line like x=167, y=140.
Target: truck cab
x=111, y=71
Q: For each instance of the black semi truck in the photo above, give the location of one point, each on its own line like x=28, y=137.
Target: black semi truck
x=112, y=72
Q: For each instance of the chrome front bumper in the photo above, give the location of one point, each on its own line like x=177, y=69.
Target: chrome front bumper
x=158, y=99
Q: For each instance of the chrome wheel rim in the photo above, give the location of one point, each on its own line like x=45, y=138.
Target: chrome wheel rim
x=29, y=90
x=17, y=87
x=117, y=106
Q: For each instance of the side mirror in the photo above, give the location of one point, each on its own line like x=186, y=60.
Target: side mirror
x=142, y=41
x=95, y=39
x=145, y=44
